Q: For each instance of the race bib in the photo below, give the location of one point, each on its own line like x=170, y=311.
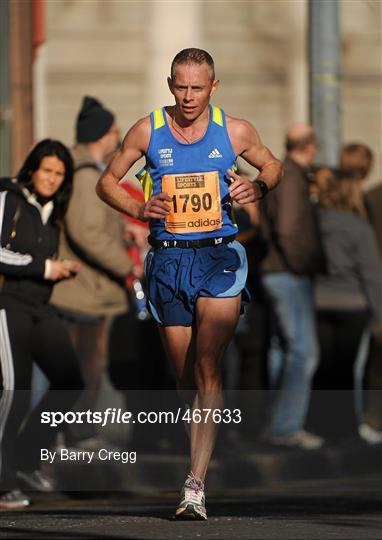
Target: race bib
x=195, y=205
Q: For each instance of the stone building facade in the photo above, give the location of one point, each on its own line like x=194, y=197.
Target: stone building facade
x=120, y=51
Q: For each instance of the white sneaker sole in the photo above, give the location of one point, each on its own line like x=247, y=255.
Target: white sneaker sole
x=13, y=505
x=191, y=512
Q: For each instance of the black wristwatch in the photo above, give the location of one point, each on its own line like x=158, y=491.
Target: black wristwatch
x=263, y=188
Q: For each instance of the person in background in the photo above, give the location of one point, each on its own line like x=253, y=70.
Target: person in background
x=374, y=199
x=348, y=298
x=93, y=236
x=294, y=256
x=31, y=206
x=373, y=401
x=357, y=159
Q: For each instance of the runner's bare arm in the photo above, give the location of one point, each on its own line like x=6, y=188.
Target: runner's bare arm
x=247, y=144
x=134, y=146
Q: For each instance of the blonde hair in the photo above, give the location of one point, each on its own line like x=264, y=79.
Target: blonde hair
x=339, y=190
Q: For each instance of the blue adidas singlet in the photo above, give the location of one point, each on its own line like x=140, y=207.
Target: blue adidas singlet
x=194, y=176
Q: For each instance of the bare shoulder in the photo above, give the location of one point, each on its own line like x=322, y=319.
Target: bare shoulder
x=143, y=124
x=242, y=134
x=246, y=143
x=134, y=146
x=139, y=135
x=239, y=126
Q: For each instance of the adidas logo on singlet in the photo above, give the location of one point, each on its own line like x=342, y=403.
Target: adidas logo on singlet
x=215, y=153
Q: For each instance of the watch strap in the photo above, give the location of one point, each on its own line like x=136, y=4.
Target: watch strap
x=263, y=188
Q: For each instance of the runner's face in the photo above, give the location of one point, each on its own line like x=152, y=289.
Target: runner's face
x=192, y=89
x=49, y=176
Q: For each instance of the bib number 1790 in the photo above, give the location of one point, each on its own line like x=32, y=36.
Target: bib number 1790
x=197, y=202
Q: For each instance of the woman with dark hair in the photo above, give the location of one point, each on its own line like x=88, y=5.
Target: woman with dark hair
x=49, y=148
x=31, y=206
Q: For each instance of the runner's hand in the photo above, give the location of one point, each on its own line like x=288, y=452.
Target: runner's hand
x=156, y=207
x=243, y=191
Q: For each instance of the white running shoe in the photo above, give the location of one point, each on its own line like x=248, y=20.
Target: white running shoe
x=192, y=504
x=300, y=439
x=12, y=500
x=36, y=480
x=370, y=434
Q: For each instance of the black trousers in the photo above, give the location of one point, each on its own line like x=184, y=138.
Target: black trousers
x=27, y=336
x=332, y=405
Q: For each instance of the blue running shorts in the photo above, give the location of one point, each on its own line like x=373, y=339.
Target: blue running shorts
x=176, y=277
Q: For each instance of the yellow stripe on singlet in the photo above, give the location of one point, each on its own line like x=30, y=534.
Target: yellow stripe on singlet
x=217, y=115
x=146, y=181
x=233, y=217
x=158, y=118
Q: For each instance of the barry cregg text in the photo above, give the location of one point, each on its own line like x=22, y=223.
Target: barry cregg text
x=87, y=456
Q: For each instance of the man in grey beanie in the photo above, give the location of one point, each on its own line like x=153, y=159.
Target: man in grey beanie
x=94, y=236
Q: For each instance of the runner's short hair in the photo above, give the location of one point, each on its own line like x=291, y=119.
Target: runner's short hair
x=193, y=56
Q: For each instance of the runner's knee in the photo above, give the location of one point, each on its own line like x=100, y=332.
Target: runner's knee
x=207, y=373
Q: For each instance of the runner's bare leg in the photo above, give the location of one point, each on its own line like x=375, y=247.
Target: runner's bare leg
x=178, y=344
x=216, y=322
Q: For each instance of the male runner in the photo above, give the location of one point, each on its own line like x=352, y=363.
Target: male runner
x=196, y=271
